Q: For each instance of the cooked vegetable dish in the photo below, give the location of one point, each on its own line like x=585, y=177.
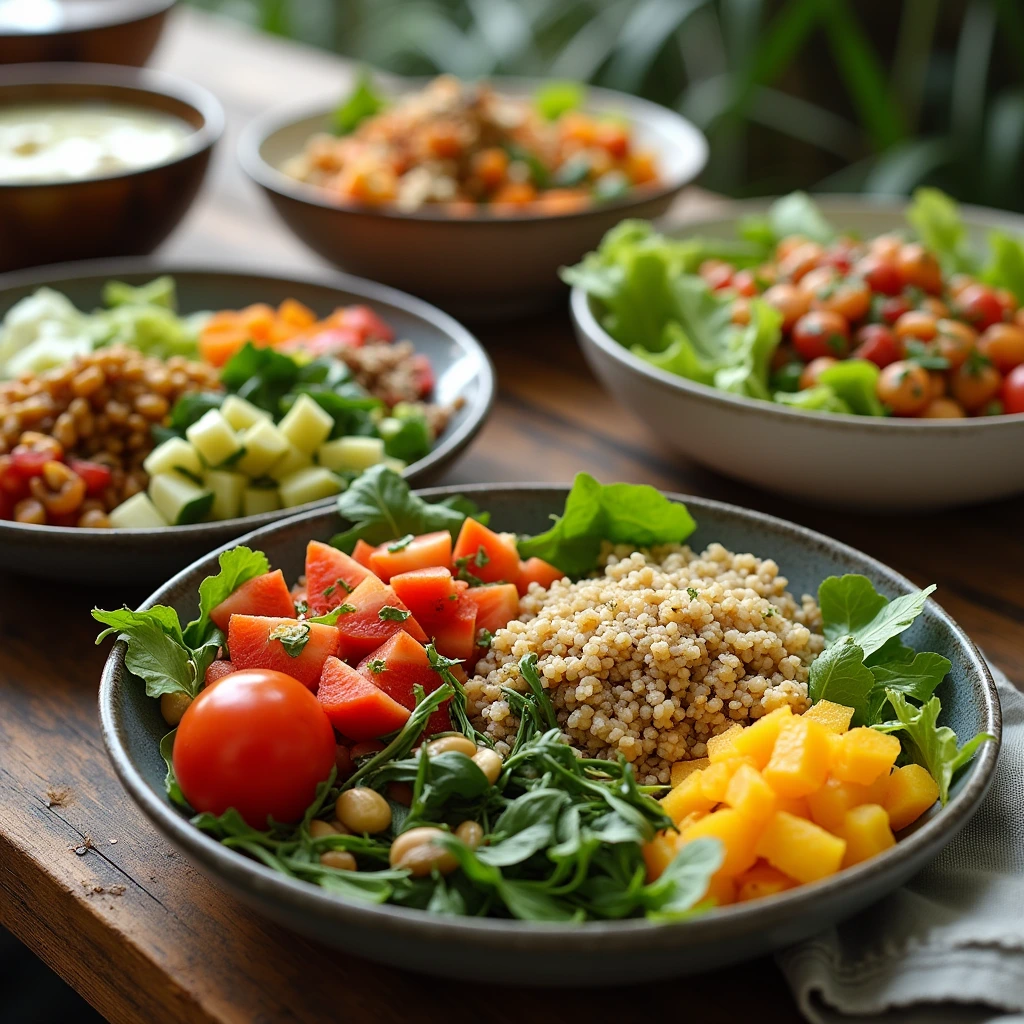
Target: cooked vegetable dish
x=592, y=723
x=904, y=324
x=465, y=148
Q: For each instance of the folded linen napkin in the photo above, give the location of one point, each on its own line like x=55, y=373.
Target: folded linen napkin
x=947, y=948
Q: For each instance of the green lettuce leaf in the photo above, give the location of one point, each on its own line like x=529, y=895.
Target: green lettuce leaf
x=798, y=214
x=158, y=292
x=123, y=620
x=620, y=513
x=745, y=364
x=361, y=103
x=854, y=381
x=553, y=99
x=159, y=661
x=936, y=219
x=1005, y=267
x=237, y=566
x=820, y=398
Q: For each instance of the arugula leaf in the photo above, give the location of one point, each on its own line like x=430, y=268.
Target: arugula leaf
x=362, y=102
x=620, y=513
x=381, y=507
x=553, y=99
x=839, y=674
x=389, y=613
x=1005, y=267
x=918, y=678
x=174, y=793
x=237, y=566
x=936, y=219
x=159, y=661
x=891, y=620
x=675, y=893
x=934, y=745
x=798, y=214
x=331, y=618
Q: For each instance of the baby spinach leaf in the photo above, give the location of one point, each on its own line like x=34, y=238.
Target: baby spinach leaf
x=848, y=603
x=917, y=679
x=839, y=674
x=238, y=565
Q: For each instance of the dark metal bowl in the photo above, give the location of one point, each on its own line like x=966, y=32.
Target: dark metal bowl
x=129, y=213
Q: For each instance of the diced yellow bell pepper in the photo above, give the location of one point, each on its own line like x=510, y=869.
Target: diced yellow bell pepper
x=829, y=804
x=834, y=717
x=715, y=778
x=799, y=762
x=795, y=805
x=686, y=798
x=749, y=794
x=738, y=835
x=862, y=754
x=867, y=833
x=721, y=890
x=719, y=746
x=909, y=792
x=758, y=740
x=799, y=848
x=761, y=880
x=658, y=853
x=683, y=768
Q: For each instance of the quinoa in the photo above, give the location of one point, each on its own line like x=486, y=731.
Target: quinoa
x=649, y=660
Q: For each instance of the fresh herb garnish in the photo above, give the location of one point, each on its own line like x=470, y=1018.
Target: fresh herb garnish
x=301, y=607
x=377, y=666
x=293, y=638
x=389, y=613
x=362, y=102
x=401, y=544
x=331, y=618
x=693, y=593
x=330, y=590
x=484, y=637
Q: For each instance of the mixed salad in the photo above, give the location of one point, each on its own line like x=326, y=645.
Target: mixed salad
x=465, y=148
x=911, y=324
x=357, y=763
x=136, y=417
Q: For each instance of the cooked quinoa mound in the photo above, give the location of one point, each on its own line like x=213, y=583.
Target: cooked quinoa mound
x=663, y=651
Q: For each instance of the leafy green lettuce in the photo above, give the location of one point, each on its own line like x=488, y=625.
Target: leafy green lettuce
x=936, y=220
x=361, y=103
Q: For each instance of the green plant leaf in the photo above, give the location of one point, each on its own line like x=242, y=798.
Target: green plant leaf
x=237, y=566
x=839, y=675
x=364, y=101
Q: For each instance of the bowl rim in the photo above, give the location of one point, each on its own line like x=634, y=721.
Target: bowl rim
x=590, y=935
x=137, y=10
x=583, y=309
x=479, y=404
x=689, y=140
x=145, y=80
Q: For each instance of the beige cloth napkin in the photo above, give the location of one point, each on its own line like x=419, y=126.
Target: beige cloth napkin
x=947, y=948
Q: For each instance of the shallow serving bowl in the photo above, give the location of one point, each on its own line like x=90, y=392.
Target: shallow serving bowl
x=462, y=368
x=591, y=953
x=481, y=266
x=854, y=461
x=99, y=31
x=128, y=213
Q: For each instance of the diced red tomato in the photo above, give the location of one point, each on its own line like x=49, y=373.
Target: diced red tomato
x=362, y=551
x=331, y=576
x=422, y=374
x=429, y=549
x=490, y=557
x=262, y=595
x=97, y=477
x=28, y=462
x=371, y=624
x=403, y=664
x=217, y=670
x=495, y=606
x=356, y=707
x=536, y=570
x=426, y=592
x=328, y=342
x=13, y=485
x=300, y=595
x=251, y=646
x=453, y=632
x=364, y=322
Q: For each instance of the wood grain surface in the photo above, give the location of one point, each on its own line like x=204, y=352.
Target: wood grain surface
x=87, y=883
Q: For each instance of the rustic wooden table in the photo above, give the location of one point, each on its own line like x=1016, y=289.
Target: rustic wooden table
x=87, y=883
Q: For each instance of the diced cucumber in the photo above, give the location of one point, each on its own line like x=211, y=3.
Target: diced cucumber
x=351, y=453
x=264, y=445
x=306, y=425
x=291, y=462
x=389, y=426
x=178, y=499
x=137, y=513
x=395, y=465
x=213, y=438
x=310, y=484
x=227, y=490
x=256, y=500
x=241, y=414
x=174, y=453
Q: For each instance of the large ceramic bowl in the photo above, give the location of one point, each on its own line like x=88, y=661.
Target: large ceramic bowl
x=462, y=368
x=97, y=31
x=862, y=462
x=124, y=214
x=583, y=954
x=480, y=266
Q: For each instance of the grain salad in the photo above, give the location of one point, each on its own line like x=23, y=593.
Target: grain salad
x=661, y=652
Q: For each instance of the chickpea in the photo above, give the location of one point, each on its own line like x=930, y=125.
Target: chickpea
x=88, y=381
x=416, y=850
x=60, y=488
x=173, y=706
x=65, y=431
x=943, y=409
x=338, y=827
x=790, y=301
x=489, y=762
x=33, y=441
x=459, y=744
x=905, y=388
x=342, y=860
x=471, y=833
x=363, y=810
x=29, y=510
x=318, y=829
x=153, y=407
x=954, y=341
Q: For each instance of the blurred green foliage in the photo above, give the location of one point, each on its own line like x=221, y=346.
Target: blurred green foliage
x=838, y=95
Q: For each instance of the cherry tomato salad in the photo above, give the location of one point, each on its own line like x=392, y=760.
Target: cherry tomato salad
x=354, y=764
x=909, y=323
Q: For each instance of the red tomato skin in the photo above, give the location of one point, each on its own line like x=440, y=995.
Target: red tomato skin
x=267, y=594
x=423, y=374
x=978, y=305
x=29, y=462
x=422, y=552
x=502, y=564
x=257, y=741
x=365, y=323
x=97, y=477
x=881, y=275
x=878, y=344
x=1013, y=391
x=894, y=307
x=218, y=670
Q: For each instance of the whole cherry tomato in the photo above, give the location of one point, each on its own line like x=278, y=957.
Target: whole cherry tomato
x=882, y=275
x=821, y=333
x=877, y=343
x=978, y=305
x=1013, y=391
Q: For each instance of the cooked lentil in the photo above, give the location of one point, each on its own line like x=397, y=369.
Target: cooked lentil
x=637, y=665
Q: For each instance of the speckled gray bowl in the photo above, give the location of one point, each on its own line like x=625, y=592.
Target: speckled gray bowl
x=600, y=953
x=461, y=367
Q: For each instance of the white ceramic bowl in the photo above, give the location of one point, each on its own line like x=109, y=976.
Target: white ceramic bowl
x=861, y=462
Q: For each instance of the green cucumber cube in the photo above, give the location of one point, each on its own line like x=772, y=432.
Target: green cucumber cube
x=395, y=465
x=257, y=500
x=264, y=445
x=241, y=414
x=136, y=513
x=351, y=453
x=214, y=439
x=306, y=425
x=227, y=488
x=174, y=453
x=291, y=462
x=178, y=499
x=310, y=484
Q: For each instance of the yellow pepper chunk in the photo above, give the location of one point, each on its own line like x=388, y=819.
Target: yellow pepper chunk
x=719, y=746
x=737, y=833
x=683, y=768
x=799, y=762
x=829, y=804
x=686, y=798
x=909, y=792
x=658, y=853
x=721, y=890
x=862, y=755
x=867, y=833
x=714, y=780
x=749, y=794
x=758, y=740
x=834, y=717
x=795, y=805
x=799, y=848
x=760, y=881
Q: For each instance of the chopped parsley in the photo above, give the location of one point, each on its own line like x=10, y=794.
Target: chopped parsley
x=484, y=637
x=389, y=613
x=479, y=559
x=293, y=638
x=467, y=577
x=693, y=593
x=401, y=544
x=301, y=607
x=377, y=666
x=330, y=590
